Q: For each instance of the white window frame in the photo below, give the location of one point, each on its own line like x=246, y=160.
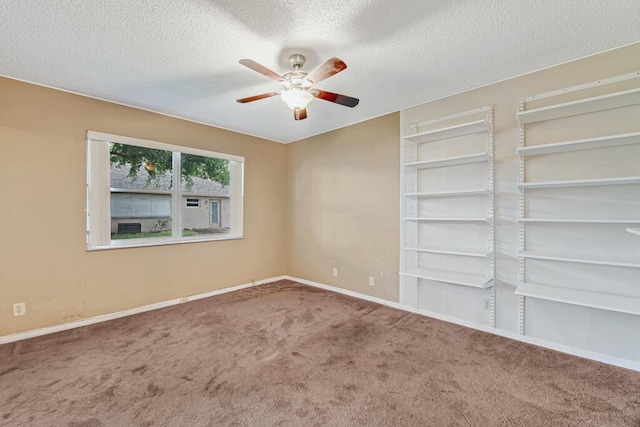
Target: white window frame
x=188, y=200
x=99, y=194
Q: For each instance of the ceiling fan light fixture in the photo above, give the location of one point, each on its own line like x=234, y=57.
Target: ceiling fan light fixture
x=296, y=98
x=297, y=91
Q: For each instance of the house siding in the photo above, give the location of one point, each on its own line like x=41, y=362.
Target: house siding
x=192, y=217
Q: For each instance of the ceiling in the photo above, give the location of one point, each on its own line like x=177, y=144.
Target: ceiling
x=180, y=57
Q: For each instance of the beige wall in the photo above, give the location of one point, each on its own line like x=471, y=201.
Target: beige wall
x=343, y=207
x=43, y=260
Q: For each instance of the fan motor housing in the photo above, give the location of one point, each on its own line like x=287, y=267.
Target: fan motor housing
x=297, y=61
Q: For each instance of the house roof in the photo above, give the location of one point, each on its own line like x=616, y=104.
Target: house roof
x=181, y=57
x=162, y=183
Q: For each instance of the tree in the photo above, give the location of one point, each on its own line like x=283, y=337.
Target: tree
x=157, y=162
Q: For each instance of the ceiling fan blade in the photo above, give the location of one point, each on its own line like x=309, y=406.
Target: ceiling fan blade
x=300, y=114
x=256, y=97
x=250, y=63
x=345, y=100
x=329, y=68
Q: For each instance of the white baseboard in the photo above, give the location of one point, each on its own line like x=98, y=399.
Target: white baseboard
x=344, y=291
x=586, y=354
x=103, y=318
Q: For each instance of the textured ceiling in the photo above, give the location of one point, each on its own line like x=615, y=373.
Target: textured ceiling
x=180, y=57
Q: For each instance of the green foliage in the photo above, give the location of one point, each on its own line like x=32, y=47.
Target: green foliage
x=206, y=168
x=161, y=224
x=158, y=162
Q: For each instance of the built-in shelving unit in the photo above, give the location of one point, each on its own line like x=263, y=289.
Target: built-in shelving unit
x=449, y=161
x=621, y=304
x=454, y=277
x=582, y=106
x=581, y=144
x=463, y=129
x=426, y=219
x=582, y=182
x=581, y=221
x=446, y=252
x=458, y=193
x=547, y=257
x=468, y=136
x=610, y=296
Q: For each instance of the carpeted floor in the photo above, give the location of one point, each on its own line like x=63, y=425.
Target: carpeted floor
x=289, y=355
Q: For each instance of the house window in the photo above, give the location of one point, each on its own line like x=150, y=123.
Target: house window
x=143, y=193
x=193, y=203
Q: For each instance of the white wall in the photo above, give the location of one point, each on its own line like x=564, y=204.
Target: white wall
x=601, y=331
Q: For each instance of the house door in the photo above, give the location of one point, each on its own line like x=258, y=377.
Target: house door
x=214, y=211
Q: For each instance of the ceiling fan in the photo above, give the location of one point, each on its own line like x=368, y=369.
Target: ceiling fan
x=296, y=91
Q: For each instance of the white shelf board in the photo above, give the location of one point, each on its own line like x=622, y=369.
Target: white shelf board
x=426, y=219
x=582, y=182
x=582, y=106
x=581, y=221
x=581, y=144
x=449, y=132
x=449, y=161
x=535, y=255
x=457, y=193
x=460, y=253
x=621, y=304
x=456, y=278
x=635, y=231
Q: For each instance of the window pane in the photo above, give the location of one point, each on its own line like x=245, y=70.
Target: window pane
x=205, y=187
x=120, y=205
x=140, y=180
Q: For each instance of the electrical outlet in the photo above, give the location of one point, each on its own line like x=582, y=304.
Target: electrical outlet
x=335, y=272
x=486, y=304
x=19, y=309
x=372, y=281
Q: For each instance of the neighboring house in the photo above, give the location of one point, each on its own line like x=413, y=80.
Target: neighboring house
x=140, y=205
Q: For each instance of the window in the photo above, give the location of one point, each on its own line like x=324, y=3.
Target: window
x=133, y=196
x=193, y=203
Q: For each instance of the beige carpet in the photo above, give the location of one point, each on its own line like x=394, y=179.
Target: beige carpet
x=289, y=355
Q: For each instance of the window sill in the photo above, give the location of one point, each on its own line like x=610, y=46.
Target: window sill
x=161, y=242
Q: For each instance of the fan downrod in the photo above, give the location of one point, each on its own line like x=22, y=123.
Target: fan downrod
x=297, y=61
